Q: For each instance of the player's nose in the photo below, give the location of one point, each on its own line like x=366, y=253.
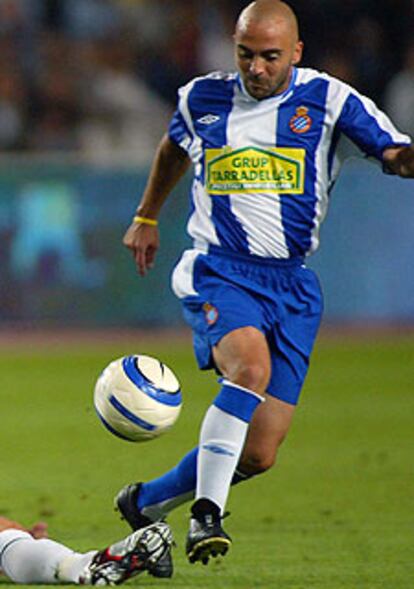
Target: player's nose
x=256, y=66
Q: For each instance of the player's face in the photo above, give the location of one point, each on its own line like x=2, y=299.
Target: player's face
x=265, y=54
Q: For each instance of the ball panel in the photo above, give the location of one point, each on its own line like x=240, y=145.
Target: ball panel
x=158, y=373
x=117, y=423
x=129, y=415
x=149, y=381
x=140, y=403
x=111, y=429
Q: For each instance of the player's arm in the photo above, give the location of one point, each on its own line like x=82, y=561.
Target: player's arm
x=38, y=530
x=400, y=160
x=7, y=524
x=142, y=237
x=374, y=133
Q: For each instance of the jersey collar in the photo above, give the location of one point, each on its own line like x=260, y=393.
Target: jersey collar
x=277, y=97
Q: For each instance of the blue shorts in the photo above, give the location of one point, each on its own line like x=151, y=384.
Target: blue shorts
x=281, y=298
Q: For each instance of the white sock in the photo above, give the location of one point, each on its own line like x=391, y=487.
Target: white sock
x=221, y=441
x=222, y=438
x=72, y=566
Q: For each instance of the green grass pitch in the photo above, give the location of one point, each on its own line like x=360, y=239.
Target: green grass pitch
x=337, y=512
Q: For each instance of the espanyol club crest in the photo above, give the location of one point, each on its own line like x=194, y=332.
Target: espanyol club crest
x=301, y=122
x=211, y=313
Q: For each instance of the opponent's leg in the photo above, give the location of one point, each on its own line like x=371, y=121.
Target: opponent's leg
x=26, y=560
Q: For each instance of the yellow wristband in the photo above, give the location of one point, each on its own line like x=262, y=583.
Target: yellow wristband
x=145, y=221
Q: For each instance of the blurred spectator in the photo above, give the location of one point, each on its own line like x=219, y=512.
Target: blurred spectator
x=370, y=56
x=339, y=64
x=399, y=101
x=216, y=42
x=123, y=115
x=90, y=19
x=20, y=16
x=13, y=104
x=55, y=109
x=169, y=44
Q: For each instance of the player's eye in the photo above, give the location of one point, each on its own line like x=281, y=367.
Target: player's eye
x=245, y=55
x=272, y=56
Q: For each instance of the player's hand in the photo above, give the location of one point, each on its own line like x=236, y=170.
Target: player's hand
x=400, y=160
x=39, y=530
x=143, y=241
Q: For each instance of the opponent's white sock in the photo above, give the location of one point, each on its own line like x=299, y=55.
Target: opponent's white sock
x=26, y=560
x=222, y=437
x=73, y=566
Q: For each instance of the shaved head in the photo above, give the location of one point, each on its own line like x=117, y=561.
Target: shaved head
x=267, y=47
x=273, y=12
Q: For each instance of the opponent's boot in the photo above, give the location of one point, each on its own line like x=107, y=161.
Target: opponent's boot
x=126, y=502
x=138, y=552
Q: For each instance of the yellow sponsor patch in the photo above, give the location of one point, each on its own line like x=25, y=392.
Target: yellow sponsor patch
x=252, y=169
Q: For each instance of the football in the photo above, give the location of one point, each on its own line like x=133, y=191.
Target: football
x=137, y=398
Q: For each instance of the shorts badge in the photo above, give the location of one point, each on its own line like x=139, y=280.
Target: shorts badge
x=211, y=313
x=301, y=122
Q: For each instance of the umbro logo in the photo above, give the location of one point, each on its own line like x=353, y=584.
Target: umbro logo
x=208, y=119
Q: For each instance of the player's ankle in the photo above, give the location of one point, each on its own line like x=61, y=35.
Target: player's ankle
x=203, y=506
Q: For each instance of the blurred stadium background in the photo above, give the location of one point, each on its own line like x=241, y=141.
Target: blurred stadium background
x=86, y=89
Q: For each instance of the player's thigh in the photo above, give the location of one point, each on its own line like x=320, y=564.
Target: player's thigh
x=268, y=428
x=243, y=356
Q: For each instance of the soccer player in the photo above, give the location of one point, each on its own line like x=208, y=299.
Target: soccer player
x=28, y=556
x=263, y=143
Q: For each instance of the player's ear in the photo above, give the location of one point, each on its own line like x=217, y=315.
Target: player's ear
x=297, y=54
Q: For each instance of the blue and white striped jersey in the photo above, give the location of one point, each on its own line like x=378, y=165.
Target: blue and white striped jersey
x=263, y=169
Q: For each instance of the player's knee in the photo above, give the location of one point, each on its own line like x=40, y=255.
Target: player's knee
x=254, y=376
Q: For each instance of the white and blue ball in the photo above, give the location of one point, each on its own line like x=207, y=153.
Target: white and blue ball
x=137, y=398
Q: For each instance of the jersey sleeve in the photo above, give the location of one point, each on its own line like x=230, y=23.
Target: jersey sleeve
x=368, y=127
x=179, y=130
